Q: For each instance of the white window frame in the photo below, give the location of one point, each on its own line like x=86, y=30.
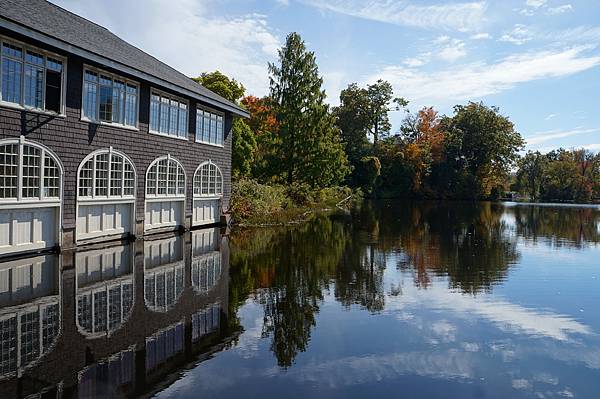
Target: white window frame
x=113, y=76
x=199, y=127
x=41, y=200
x=46, y=54
x=199, y=170
x=170, y=97
x=107, y=198
x=166, y=196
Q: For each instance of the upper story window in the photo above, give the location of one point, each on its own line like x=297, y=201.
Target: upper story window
x=106, y=174
x=109, y=98
x=209, y=127
x=168, y=115
x=31, y=78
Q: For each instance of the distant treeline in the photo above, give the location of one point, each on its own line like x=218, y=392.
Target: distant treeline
x=294, y=138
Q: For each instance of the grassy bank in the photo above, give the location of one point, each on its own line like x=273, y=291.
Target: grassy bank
x=253, y=203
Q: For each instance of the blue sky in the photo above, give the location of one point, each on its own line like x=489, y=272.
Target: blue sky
x=538, y=60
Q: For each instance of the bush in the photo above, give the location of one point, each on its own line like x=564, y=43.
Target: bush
x=255, y=203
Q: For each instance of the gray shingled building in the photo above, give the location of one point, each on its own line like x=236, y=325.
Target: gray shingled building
x=99, y=140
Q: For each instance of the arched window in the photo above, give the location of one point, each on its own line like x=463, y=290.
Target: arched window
x=28, y=172
x=106, y=174
x=165, y=178
x=208, y=180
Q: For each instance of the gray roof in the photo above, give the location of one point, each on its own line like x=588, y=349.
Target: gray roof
x=43, y=17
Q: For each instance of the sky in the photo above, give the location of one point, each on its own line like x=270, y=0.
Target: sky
x=537, y=60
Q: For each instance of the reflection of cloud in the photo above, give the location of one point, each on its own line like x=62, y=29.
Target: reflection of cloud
x=505, y=315
x=360, y=370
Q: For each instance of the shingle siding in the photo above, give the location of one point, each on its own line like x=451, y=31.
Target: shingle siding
x=73, y=139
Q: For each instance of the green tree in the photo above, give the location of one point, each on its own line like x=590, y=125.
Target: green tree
x=310, y=145
x=482, y=142
x=532, y=173
x=243, y=144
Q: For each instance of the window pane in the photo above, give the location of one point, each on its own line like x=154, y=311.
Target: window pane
x=180, y=181
x=34, y=80
x=12, y=51
x=154, y=112
x=199, y=118
x=173, y=108
x=53, y=64
x=213, y=129
x=172, y=178
x=162, y=176
x=11, y=80
x=53, y=90
x=91, y=76
x=102, y=174
x=118, y=101
x=151, y=180
x=206, y=126
x=9, y=165
x=129, y=180
x=106, y=103
x=31, y=171
x=220, y=130
x=116, y=175
x=34, y=58
x=51, y=178
x=86, y=178
x=131, y=110
x=90, y=91
x=183, y=120
x=204, y=182
x=164, y=115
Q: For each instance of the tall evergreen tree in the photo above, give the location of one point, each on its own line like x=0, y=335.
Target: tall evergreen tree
x=310, y=146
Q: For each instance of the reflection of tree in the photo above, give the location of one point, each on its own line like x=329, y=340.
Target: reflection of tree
x=559, y=226
x=467, y=242
x=289, y=276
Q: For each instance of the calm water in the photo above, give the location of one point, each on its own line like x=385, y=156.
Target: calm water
x=392, y=299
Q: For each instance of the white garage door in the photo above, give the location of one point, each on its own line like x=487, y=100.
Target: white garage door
x=208, y=192
x=106, y=195
x=30, y=197
x=165, y=194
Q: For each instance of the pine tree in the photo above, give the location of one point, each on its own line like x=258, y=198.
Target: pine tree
x=310, y=147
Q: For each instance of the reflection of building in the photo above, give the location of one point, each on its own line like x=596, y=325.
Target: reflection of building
x=30, y=313
x=206, y=321
x=104, y=289
x=206, y=259
x=163, y=273
x=163, y=345
x=99, y=379
x=123, y=359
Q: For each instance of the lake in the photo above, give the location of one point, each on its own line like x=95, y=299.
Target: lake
x=389, y=299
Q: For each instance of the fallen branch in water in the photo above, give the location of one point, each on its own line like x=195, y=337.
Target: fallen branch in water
x=342, y=201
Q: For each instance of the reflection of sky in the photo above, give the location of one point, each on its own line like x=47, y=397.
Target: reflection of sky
x=537, y=334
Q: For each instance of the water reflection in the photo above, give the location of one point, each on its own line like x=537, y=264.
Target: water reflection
x=29, y=312
x=103, y=335
x=464, y=287
x=163, y=273
x=105, y=295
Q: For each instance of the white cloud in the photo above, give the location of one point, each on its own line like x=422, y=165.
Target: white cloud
x=560, y=10
x=519, y=35
x=543, y=137
x=481, y=36
x=535, y=3
x=414, y=62
x=551, y=116
x=189, y=38
x=476, y=80
x=466, y=16
x=453, y=51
